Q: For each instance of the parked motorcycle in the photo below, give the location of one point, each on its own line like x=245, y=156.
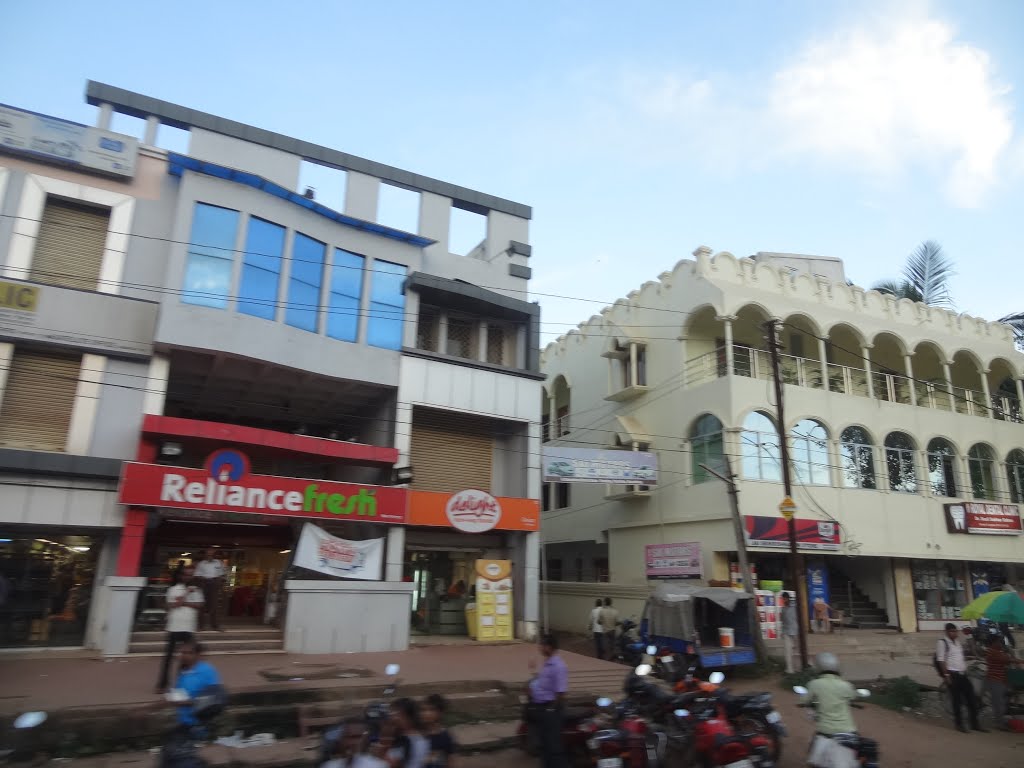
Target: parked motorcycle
x=841, y=749
x=628, y=648
x=375, y=714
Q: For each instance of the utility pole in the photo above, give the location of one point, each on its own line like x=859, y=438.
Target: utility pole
x=787, y=507
x=741, y=549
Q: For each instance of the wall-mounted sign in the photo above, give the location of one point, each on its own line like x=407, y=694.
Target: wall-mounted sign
x=67, y=143
x=595, y=465
x=430, y=508
x=225, y=485
x=18, y=297
x=981, y=517
x=473, y=511
x=318, y=551
x=773, y=532
x=674, y=561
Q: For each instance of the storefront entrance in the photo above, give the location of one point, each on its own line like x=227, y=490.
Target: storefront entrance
x=46, y=587
x=442, y=589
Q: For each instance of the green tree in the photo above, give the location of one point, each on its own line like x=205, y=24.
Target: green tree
x=925, y=277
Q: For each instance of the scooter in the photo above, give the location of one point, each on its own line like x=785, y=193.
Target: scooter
x=841, y=749
x=628, y=649
x=375, y=714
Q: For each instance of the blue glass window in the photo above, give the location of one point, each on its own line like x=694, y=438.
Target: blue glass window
x=304, y=283
x=210, y=256
x=261, y=270
x=346, y=292
x=387, y=305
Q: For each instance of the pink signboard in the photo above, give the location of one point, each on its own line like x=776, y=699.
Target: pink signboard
x=674, y=561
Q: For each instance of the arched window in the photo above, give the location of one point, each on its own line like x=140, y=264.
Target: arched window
x=899, y=459
x=706, y=447
x=810, y=452
x=942, y=467
x=1015, y=475
x=982, y=463
x=857, y=454
x=760, y=448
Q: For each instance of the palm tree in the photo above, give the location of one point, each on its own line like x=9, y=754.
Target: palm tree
x=1016, y=322
x=925, y=277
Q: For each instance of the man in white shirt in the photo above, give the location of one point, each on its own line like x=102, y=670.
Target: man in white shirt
x=596, y=629
x=184, y=601
x=210, y=575
x=949, y=654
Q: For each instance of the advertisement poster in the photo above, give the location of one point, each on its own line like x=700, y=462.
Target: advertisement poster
x=977, y=517
x=494, y=600
x=773, y=532
x=594, y=465
x=674, y=561
x=736, y=580
x=817, y=586
x=319, y=551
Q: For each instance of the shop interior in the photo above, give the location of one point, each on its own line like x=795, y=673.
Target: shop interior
x=443, y=587
x=46, y=585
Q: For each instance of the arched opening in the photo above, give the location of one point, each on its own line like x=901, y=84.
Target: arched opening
x=889, y=369
x=857, y=457
x=707, y=447
x=1015, y=475
x=750, y=357
x=981, y=462
x=760, y=448
x=801, y=361
x=930, y=376
x=809, y=441
x=846, y=373
x=1002, y=383
x=942, y=467
x=899, y=460
x=562, y=398
x=705, y=350
x=968, y=391
x=545, y=415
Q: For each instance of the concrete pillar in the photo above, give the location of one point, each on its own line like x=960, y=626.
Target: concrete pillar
x=436, y=220
x=531, y=587
x=908, y=364
x=395, y=557
x=823, y=356
x=362, y=195
x=521, y=342
x=104, y=117
x=442, y=333
x=364, y=318
x=986, y=390
x=1020, y=391
x=156, y=385
x=481, y=347
x=865, y=352
x=152, y=127
x=903, y=584
x=730, y=368
x=121, y=600
x=682, y=362
x=632, y=364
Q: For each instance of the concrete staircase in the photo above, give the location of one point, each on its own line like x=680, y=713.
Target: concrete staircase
x=858, y=610
x=245, y=639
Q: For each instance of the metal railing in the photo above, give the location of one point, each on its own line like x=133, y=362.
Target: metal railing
x=847, y=380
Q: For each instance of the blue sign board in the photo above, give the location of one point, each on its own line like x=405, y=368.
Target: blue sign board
x=817, y=585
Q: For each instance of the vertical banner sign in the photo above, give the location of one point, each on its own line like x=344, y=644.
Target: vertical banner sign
x=817, y=586
x=494, y=599
x=321, y=552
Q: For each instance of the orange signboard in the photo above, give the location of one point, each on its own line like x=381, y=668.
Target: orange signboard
x=473, y=511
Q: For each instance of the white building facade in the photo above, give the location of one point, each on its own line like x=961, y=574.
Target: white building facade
x=904, y=425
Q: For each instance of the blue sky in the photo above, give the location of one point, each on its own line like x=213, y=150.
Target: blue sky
x=637, y=133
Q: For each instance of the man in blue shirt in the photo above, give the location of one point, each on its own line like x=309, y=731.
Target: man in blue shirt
x=547, y=694
x=194, y=677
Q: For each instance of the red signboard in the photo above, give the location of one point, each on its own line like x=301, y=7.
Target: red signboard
x=225, y=485
x=980, y=517
x=810, y=534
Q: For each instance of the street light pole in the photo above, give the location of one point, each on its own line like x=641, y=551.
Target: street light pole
x=741, y=549
x=788, y=508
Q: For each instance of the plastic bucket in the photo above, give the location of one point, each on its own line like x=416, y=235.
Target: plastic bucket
x=727, y=637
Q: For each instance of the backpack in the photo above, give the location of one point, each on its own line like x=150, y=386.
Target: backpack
x=935, y=659
x=209, y=703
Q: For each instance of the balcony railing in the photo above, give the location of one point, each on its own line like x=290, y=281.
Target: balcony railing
x=847, y=380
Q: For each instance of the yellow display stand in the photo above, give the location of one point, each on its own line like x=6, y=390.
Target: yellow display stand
x=493, y=620
x=471, y=628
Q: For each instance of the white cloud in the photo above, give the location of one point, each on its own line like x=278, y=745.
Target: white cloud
x=895, y=95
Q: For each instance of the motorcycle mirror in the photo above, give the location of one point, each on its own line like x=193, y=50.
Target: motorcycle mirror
x=643, y=670
x=391, y=670
x=863, y=693
x=651, y=650
x=717, y=678
x=800, y=690
x=682, y=713
x=30, y=720
x=604, y=702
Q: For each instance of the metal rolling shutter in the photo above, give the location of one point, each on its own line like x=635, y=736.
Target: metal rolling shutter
x=35, y=412
x=450, y=452
x=69, y=247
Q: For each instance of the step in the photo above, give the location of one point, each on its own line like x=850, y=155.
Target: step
x=255, y=633
x=157, y=647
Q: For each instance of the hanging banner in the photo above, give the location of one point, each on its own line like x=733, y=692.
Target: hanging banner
x=773, y=532
x=319, y=551
x=494, y=600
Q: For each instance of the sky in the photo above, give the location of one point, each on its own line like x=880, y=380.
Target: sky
x=637, y=133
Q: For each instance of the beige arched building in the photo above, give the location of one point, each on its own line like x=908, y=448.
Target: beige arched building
x=894, y=411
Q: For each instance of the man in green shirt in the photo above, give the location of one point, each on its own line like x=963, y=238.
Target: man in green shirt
x=831, y=697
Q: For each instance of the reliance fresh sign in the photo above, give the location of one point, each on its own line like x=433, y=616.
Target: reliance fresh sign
x=225, y=485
